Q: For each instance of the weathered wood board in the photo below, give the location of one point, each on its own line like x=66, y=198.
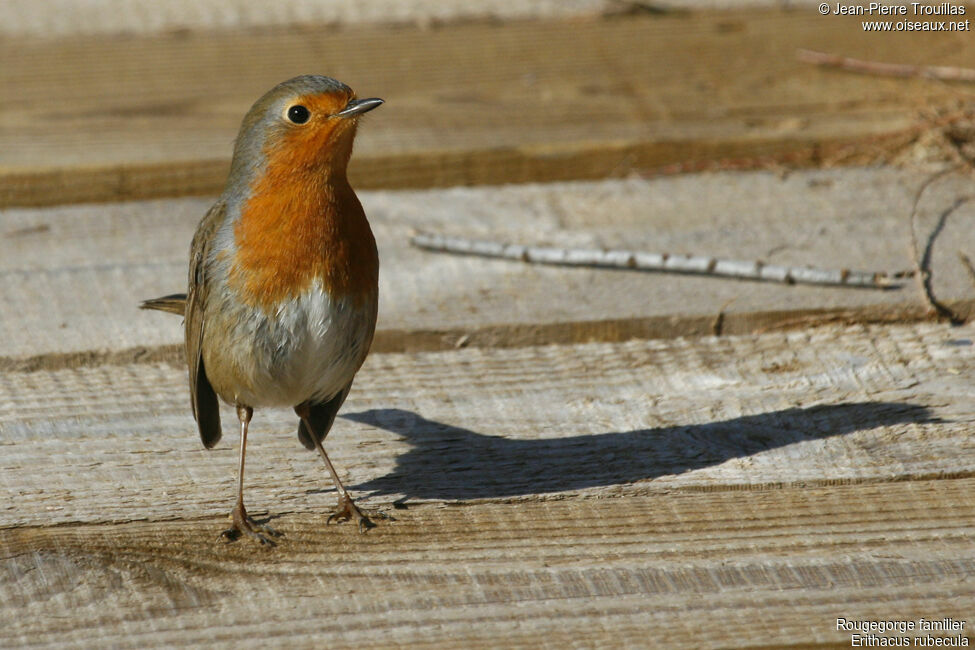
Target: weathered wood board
x=766, y=569
x=714, y=492
x=72, y=277
x=613, y=490
x=73, y=18
x=824, y=406
x=103, y=118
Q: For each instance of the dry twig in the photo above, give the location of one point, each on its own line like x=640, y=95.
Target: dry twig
x=922, y=263
x=939, y=72
x=663, y=262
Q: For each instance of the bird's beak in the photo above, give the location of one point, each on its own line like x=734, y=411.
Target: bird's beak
x=359, y=106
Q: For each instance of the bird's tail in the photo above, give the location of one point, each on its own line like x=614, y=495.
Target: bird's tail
x=174, y=304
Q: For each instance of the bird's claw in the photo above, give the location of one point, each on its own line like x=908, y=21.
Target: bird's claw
x=245, y=525
x=348, y=510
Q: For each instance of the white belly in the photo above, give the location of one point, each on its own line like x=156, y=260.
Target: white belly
x=308, y=351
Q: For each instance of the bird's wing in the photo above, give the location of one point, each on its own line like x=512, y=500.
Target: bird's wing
x=322, y=416
x=206, y=407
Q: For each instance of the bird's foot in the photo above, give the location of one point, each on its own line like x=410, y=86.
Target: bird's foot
x=245, y=525
x=348, y=510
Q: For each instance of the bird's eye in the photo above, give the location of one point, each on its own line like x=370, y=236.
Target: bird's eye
x=298, y=114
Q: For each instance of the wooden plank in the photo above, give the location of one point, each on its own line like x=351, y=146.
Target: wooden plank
x=68, y=17
x=823, y=407
x=715, y=570
x=766, y=485
x=72, y=277
x=130, y=117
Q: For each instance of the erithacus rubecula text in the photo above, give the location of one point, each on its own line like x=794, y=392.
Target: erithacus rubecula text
x=284, y=277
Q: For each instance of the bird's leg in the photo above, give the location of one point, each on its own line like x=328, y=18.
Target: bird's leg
x=347, y=508
x=243, y=524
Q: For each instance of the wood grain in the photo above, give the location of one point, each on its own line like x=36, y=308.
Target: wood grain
x=712, y=492
x=108, y=118
x=827, y=406
x=757, y=569
x=708, y=493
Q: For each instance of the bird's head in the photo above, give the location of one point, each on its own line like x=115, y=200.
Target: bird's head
x=307, y=124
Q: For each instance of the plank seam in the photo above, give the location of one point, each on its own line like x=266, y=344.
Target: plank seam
x=390, y=341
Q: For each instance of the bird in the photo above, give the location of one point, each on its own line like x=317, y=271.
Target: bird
x=282, y=296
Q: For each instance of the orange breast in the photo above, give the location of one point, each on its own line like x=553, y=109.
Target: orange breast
x=302, y=223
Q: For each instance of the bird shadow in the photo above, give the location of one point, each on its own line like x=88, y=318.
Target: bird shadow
x=450, y=462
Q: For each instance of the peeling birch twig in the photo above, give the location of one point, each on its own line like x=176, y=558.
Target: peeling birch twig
x=939, y=72
x=663, y=262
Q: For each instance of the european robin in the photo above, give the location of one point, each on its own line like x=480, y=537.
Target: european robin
x=284, y=277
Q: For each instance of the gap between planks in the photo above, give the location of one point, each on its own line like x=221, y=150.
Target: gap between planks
x=442, y=169
x=560, y=333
